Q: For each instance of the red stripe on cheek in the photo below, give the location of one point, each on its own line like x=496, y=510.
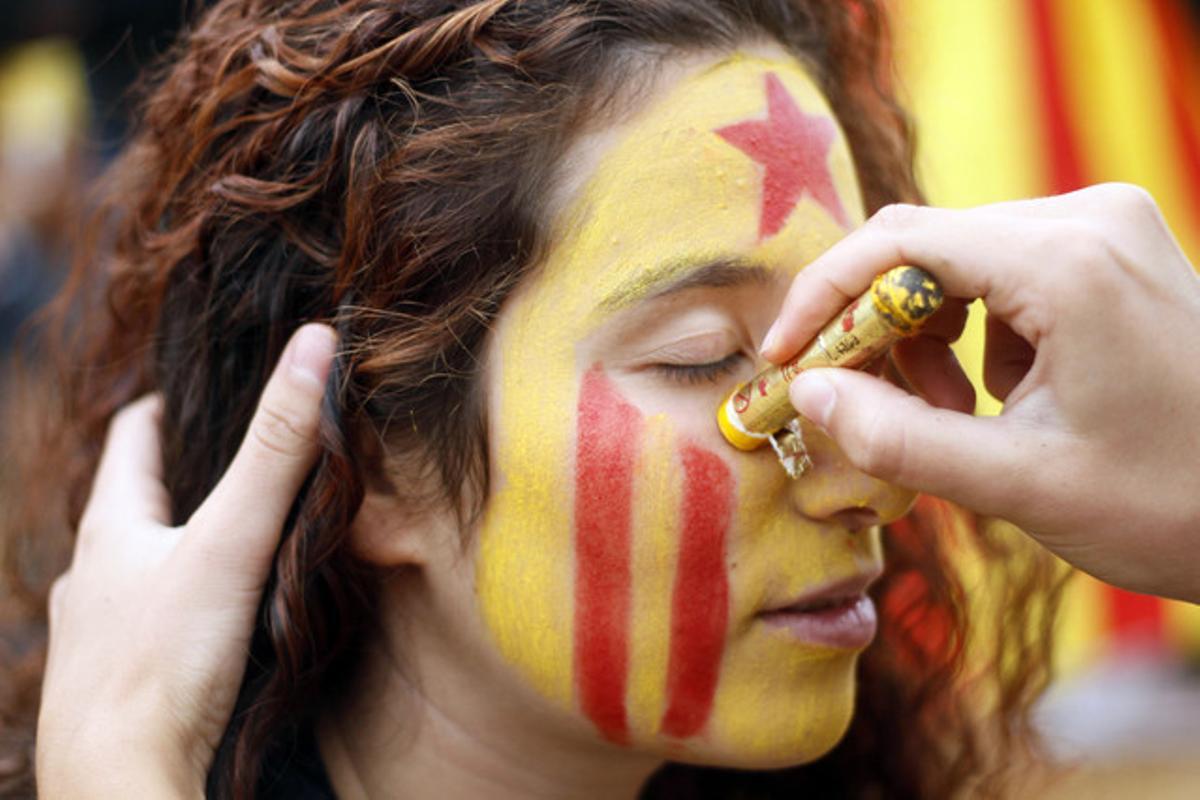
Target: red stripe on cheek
x=700, y=606
x=605, y=453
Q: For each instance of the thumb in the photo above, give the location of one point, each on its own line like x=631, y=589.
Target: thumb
x=238, y=525
x=899, y=438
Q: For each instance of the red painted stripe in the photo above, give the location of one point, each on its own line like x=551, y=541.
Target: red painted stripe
x=1065, y=171
x=1180, y=37
x=700, y=605
x=606, y=449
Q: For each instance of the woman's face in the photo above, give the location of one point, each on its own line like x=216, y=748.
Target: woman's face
x=628, y=557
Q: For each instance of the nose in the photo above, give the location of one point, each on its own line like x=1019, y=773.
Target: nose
x=833, y=489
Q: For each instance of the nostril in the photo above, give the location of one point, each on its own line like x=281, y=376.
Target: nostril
x=856, y=519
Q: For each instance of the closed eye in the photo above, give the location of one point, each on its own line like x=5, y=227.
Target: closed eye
x=709, y=372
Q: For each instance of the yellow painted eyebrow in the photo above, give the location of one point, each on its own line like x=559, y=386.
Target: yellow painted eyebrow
x=678, y=276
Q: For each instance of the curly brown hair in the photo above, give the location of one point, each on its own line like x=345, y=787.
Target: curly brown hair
x=383, y=166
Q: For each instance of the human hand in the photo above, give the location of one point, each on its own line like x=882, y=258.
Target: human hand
x=150, y=627
x=1093, y=342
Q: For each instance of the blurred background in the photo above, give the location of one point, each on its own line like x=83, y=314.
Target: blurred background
x=1012, y=98
x=65, y=70
x=1018, y=98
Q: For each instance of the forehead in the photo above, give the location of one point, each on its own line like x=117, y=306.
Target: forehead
x=739, y=161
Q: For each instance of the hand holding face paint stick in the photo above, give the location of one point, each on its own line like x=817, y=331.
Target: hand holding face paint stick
x=150, y=626
x=1093, y=339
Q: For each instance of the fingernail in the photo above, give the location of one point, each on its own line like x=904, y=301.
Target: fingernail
x=814, y=397
x=769, y=340
x=312, y=353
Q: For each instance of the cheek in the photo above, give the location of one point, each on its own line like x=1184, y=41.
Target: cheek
x=607, y=468
x=642, y=600
x=701, y=598
x=608, y=439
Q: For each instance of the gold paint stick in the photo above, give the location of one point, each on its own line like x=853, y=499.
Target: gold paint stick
x=898, y=303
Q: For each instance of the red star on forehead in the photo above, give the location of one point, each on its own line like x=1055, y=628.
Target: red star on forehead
x=794, y=149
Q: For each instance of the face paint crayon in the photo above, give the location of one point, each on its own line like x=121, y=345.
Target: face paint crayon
x=898, y=303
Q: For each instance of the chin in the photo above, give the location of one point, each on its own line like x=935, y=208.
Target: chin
x=775, y=725
x=783, y=746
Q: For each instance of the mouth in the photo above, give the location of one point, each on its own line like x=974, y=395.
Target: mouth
x=839, y=615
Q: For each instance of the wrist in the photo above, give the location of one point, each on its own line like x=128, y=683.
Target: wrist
x=113, y=765
x=117, y=781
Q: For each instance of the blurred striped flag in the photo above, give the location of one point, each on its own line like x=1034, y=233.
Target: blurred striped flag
x=1018, y=98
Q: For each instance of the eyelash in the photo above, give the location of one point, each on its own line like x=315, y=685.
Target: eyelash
x=701, y=373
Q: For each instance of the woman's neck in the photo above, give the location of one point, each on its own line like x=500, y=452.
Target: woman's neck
x=433, y=729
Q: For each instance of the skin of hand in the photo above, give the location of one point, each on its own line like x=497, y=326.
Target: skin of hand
x=1093, y=341
x=150, y=626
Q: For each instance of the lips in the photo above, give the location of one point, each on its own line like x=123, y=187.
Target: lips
x=838, y=615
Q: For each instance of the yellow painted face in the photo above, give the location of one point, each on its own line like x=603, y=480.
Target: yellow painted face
x=628, y=558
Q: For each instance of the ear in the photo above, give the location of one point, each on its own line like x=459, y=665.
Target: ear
x=387, y=535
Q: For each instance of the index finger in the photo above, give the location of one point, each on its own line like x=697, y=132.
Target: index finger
x=972, y=253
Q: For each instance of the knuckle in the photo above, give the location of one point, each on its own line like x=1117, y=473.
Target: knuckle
x=895, y=218
x=281, y=431
x=1127, y=212
x=1126, y=198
